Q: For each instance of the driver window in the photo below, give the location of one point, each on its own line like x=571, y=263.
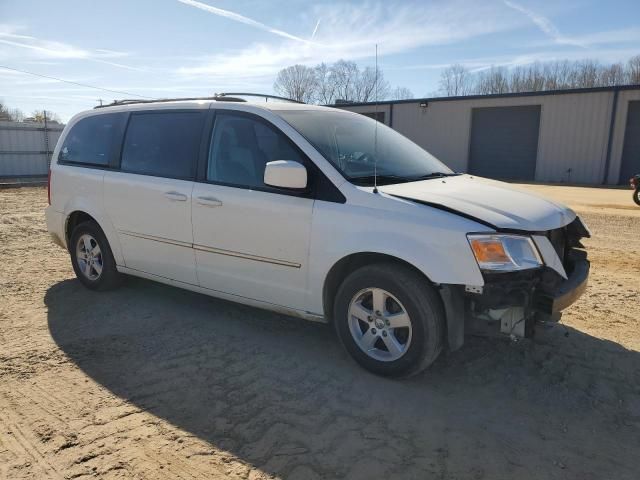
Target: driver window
x=241, y=147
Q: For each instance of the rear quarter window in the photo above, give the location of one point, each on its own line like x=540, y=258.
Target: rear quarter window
x=91, y=140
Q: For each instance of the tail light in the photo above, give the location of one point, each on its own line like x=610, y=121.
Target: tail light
x=633, y=181
x=49, y=187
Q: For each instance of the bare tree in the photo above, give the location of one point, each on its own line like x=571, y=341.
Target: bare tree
x=612, y=75
x=456, y=80
x=10, y=114
x=369, y=86
x=17, y=115
x=343, y=75
x=585, y=74
x=557, y=75
x=527, y=78
x=633, y=71
x=325, y=86
x=297, y=82
x=5, y=115
x=401, y=93
x=39, y=116
x=342, y=80
x=493, y=81
x=536, y=77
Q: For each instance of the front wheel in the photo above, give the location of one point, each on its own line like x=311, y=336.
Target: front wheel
x=636, y=196
x=390, y=319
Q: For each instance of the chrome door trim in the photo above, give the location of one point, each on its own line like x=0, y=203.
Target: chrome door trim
x=156, y=239
x=218, y=251
x=248, y=256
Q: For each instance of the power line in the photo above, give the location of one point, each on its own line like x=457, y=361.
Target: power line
x=75, y=83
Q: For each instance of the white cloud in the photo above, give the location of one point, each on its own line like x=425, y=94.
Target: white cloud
x=545, y=25
x=53, y=50
x=351, y=31
x=508, y=61
x=240, y=18
x=623, y=36
x=315, y=29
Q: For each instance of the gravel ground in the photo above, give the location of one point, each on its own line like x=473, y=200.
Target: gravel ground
x=153, y=382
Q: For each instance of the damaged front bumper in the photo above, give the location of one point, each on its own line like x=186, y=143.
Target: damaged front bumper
x=512, y=302
x=567, y=292
x=515, y=301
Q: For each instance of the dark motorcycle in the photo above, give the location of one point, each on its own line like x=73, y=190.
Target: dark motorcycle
x=635, y=184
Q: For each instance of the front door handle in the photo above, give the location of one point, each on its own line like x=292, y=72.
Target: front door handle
x=176, y=196
x=209, y=202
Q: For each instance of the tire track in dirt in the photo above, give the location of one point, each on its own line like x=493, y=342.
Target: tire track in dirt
x=159, y=383
x=22, y=444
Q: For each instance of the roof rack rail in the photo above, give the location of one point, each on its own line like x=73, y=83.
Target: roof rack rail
x=261, y=95
x=128, y=101
x=224, y=97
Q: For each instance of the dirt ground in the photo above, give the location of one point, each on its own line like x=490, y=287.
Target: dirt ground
x=153, y=382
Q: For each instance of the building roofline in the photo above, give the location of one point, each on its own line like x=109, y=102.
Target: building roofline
x=495, y=95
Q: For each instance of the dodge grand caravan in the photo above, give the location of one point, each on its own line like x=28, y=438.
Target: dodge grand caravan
x=313, y=212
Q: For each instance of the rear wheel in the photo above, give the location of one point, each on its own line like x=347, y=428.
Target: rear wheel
x=390, y=319
x=92, y=259
x=636, y=196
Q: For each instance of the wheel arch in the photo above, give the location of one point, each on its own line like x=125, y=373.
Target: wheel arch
x=350, y=263
x=78, y=215
x=73, y=219
x=450, y=295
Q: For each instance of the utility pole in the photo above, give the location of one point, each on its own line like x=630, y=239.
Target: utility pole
x=46, y=139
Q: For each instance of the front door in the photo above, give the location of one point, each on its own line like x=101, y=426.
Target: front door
x=250, y=240
x=149, y=199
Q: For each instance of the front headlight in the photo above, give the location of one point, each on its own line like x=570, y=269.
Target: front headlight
x=504, y=253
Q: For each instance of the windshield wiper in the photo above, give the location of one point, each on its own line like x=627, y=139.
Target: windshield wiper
x=366, y=180
x=434, y=175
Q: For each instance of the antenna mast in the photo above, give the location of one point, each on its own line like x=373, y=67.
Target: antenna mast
x=375, y=132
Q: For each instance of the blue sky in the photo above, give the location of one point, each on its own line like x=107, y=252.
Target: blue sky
x=198, y=47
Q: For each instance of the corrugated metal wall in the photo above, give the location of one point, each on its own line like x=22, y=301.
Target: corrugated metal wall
x=574, y=131
x=619, y=127
x=23, y=148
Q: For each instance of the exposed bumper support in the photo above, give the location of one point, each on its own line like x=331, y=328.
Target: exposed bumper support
x=513, y=301
x=454, y=307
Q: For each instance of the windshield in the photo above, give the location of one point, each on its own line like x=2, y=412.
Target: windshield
x=349, y=142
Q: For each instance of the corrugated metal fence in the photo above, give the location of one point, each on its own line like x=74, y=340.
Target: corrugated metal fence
x=26, y=148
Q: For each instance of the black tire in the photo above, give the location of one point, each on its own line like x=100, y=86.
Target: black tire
x=636, y=196
x=109, y=278
x=421, y=302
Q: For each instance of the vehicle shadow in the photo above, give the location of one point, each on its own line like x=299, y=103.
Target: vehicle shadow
x=281, y=395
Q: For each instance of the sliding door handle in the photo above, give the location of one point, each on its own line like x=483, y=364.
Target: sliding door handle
x=209, y=202
x=176, y=196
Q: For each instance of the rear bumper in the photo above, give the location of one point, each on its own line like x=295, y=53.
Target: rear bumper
x=568, y=291
x=55, y=226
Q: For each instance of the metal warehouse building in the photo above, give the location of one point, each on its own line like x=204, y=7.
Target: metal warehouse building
x=584, y=136
x=25, y=148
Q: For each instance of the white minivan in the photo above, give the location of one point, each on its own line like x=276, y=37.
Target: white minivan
x=314, y=212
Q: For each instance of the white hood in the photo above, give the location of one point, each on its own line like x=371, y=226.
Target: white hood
x=497, y=203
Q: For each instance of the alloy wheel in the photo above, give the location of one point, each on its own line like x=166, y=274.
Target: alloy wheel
x=379, y=324
x=89, y=257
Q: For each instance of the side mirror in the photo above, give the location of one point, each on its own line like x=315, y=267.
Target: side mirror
x=285, y=174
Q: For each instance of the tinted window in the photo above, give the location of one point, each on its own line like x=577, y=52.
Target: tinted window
x=162, y=144
x=90, y=141
x=242, y=146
